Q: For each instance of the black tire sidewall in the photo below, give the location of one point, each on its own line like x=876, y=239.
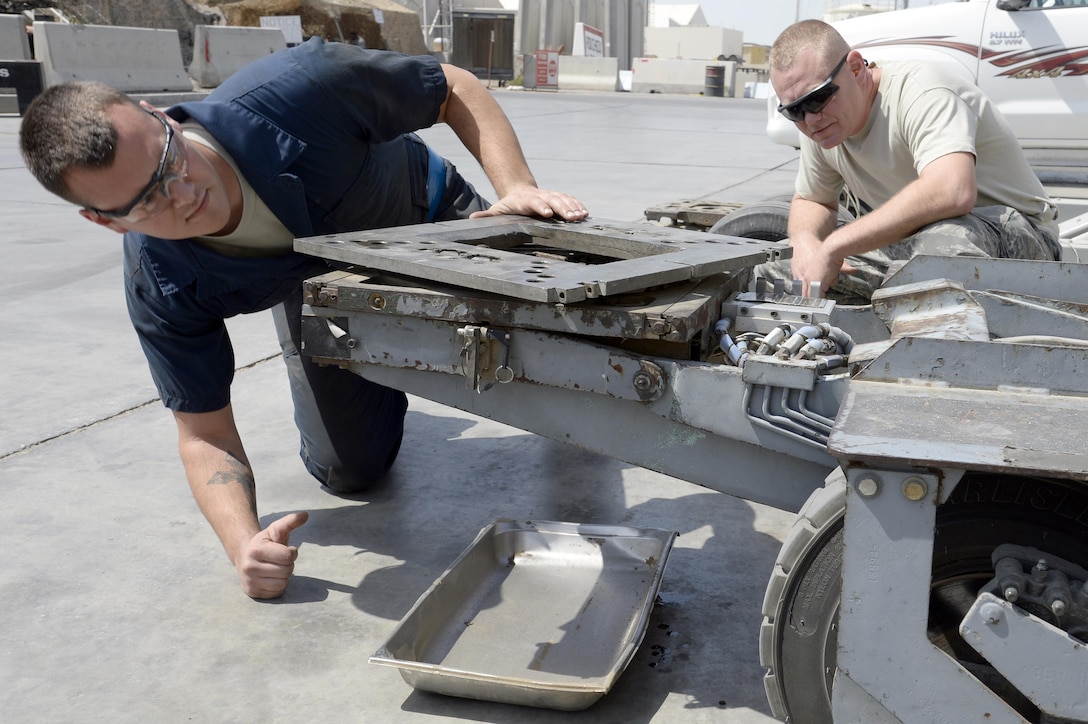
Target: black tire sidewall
x=764, y=220
x=984, y=511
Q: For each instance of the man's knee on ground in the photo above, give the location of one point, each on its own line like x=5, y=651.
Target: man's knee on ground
x=345, y=481
x=353, y=473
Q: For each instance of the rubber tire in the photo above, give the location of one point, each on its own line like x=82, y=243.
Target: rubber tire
x=764, y=220
x=797, y=640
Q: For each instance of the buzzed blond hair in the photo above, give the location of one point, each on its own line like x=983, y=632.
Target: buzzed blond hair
x=815, y=35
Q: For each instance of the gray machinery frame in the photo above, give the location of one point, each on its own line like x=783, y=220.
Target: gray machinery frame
x=506, y=319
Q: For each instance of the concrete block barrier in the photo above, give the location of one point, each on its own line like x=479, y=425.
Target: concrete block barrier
x=219, y=51
x=13, y=42
x=746, y=78
x=129, y=59
x=675, y=75
x=578, y=72
x=20, y=76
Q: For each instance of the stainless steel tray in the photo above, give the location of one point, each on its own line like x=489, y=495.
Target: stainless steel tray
x=535, y=613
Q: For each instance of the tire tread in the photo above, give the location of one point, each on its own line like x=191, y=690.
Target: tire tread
x=824, y=507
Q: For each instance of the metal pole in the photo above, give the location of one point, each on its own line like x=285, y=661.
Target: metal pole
x=490, y=52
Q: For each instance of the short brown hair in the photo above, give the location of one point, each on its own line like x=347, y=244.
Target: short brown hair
x=813, y=35
x=68, y=126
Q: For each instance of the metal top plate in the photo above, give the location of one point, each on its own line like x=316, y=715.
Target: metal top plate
x=516, y=256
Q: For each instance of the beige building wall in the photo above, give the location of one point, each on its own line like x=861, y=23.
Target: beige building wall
x=694, y=43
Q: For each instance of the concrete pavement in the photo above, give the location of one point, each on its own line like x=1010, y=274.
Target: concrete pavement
x=117, y=601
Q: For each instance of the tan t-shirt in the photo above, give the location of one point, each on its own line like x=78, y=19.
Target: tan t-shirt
x=921, y=113
x=259, y=232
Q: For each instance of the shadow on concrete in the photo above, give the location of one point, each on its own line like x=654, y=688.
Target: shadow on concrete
x=702, y=639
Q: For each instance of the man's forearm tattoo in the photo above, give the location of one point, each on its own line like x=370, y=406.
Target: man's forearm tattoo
x=237, y=472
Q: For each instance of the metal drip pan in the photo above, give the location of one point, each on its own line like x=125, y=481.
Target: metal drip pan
x=535, y=613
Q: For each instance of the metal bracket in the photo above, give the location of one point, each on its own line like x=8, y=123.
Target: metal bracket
x=887, y=560
x=477, y=353
x=756, y=312
x=503, y=373
x=1009, y=637
x=936, y=308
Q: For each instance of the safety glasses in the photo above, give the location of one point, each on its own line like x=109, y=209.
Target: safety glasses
x=155, y=196
x=815, y=100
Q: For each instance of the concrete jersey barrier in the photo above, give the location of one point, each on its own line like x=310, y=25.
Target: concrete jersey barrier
x=144, y=60
x=593, y=74
x=220, y=51
x=13, y=42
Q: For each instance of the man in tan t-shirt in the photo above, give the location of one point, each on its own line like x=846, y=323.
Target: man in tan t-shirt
x=926, y=157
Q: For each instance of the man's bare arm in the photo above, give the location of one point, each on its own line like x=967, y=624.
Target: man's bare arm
x=223, y=486
x=945, y=189
x=482, y=126
x=810, y=223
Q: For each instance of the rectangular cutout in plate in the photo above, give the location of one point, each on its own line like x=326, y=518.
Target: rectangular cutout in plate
x=535, y=613
x=505, y=255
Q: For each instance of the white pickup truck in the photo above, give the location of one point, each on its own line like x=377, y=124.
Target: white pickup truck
x=1029, y=56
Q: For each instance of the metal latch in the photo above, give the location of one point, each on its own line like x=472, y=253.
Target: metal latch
x=479, y=347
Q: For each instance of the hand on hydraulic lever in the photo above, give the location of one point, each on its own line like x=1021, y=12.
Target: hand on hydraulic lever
x=813, y=261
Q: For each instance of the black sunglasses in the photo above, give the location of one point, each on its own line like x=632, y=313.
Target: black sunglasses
x=156, y=179
x=815, y=100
